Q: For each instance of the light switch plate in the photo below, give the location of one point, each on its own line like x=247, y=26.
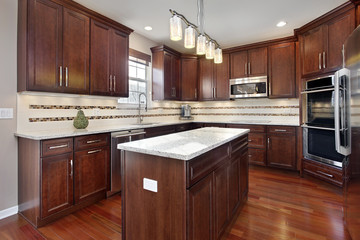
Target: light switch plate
x=6, y=113
x=150, y=185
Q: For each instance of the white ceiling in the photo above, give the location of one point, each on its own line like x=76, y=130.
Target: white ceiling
x=230, y=22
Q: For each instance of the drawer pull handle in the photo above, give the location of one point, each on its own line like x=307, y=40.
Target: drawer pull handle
x=280, y=130
x=58, y=146
x=94, y=151
x=93, y=141
x=72, y=168
x=326, y=174
x=249, y=140
x=250, y=155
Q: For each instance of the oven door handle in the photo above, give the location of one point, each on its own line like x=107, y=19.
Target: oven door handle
x=319, y=90
x=321, y=128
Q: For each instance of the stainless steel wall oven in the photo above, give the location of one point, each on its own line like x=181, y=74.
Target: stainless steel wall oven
x=326, y=118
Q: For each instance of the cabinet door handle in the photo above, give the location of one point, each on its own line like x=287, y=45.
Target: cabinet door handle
x=94, y=151
x=249, y=140
x=58, y=146
x=114, y=86
x=174, y=91
x=66, y=76
x=60, y=76
x=249, y=68
x=195, y=93
x=110, y=80
x=215, y=93
x=71, y=168
x=326, y=174
x=268, y=143
x=324, y=62
x=319, y=60
x=245, y=68
x=93, y=141
x=280, y=130
x=250, y=155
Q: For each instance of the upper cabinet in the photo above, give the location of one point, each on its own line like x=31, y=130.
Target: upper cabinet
x=249, y=63
x=282, y=70
x=109, y=61
x=166, y=73
x=321, y=47
x=54, y=48
x=189, y=78
x=214, y=79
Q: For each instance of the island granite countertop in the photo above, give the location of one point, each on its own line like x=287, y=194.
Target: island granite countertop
x=184, y=145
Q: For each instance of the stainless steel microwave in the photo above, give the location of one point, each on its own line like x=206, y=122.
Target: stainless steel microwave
x=248, y=87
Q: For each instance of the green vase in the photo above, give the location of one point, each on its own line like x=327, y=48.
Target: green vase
x=80, y=121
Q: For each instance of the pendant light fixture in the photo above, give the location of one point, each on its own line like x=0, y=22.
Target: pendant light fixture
x=204, y=43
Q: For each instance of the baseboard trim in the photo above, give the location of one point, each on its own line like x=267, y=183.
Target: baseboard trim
x=9, y=212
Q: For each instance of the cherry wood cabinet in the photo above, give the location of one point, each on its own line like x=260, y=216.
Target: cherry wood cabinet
x=60, y=176
x=214, y=79
x=249, y=63
x=166, y=73
x=109, y=61
x=321, y=47
x=357, y=15
x=281, y=147
x=282, y=82
x=189, y=78
x=54, y=50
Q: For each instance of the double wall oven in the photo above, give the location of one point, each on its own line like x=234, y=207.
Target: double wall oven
x=326, y=118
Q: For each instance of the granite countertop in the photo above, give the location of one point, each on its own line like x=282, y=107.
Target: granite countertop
x=184, y=145
x=61, y=133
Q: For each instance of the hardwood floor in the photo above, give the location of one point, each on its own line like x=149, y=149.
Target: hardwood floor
x=281, y=205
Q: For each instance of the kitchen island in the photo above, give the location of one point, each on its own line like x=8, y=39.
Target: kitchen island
x=186, y=185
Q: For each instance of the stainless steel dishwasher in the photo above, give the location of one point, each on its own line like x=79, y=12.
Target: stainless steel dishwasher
x=116, y=138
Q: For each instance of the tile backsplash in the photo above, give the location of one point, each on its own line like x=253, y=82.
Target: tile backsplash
x=57, y=111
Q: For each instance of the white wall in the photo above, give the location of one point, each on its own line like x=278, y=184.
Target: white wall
x=8, y=144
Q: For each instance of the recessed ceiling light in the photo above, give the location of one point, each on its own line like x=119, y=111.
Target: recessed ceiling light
x=148, y=28
x=281, y=24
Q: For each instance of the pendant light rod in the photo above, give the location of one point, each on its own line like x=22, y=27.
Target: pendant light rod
x=188, y=23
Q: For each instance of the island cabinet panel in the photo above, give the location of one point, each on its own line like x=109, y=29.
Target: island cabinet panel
x=157, y=215
x=200, y=210
x=244, y=175
x=282, y=70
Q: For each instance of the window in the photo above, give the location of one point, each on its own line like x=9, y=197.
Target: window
x=137, y=80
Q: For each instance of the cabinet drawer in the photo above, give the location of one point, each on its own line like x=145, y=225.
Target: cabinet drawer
x=239, y=144
x=257, y=140
x=253, y=128
x=91, y=141
x=281, y=129
x=56, y=147
x=201, y=166
x=323, y=171
x=257, y=156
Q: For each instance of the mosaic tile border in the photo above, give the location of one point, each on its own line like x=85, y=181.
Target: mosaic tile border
x=61, y=119
x=247, y=107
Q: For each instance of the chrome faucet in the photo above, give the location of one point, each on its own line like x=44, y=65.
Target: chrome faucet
x=141, y=117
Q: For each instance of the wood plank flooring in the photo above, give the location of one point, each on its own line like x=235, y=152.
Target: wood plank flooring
x=281, y=205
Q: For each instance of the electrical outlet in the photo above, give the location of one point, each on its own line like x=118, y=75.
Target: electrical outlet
x=6, y=113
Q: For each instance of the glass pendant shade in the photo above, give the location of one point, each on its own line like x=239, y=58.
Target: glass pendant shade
x=175, y=28
x=189, y=41
x=210, y=50
x=201, y=45
x=218, y=56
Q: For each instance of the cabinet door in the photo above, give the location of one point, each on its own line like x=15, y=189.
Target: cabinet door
x=45, y=46
x=281, y=151
x=168, y=88
x=238, y=63
x=312, y=47
x=257, y=62
x=206, y=72
x=221, y=198
x=175, y=77
x=200, y=210
x=244, y=175
x=221, y=79
x=100, y=59
x=56, y=184
x=90, y=172
x=76, y=52
x=257, y=156
x=189, y=75
x=120, y=64
x=338, y=30
x=282, y=70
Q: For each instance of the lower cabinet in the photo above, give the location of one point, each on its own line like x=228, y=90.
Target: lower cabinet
x=59, y=176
